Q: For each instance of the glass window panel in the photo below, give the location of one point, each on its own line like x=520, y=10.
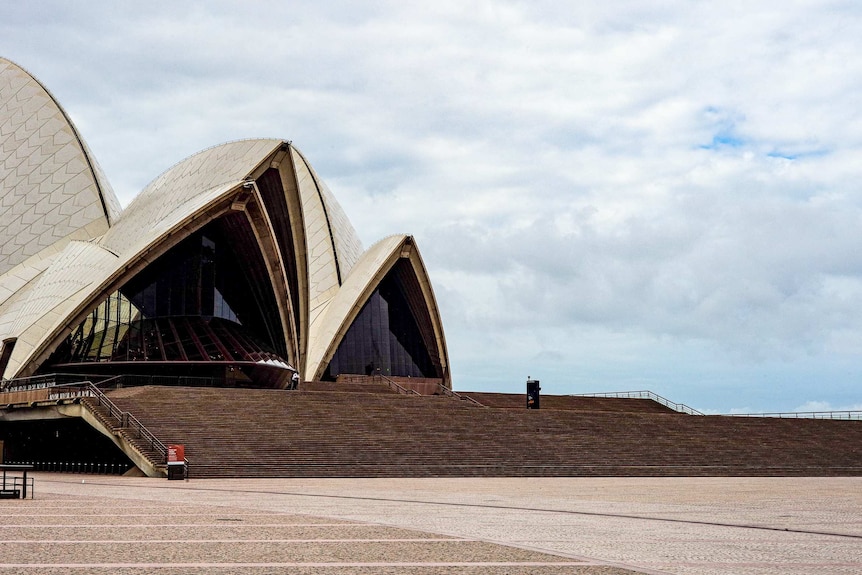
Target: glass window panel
x=187, y=306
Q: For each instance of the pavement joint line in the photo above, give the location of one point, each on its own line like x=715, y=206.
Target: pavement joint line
x=233, y=541
x=138, y=525
x=309, y=564
x=139, y=515
x=504, y=507
x=581, y=559
x=738, y=564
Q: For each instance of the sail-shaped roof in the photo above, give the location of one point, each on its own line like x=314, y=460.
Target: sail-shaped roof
x=51, y=189
x=66, y=247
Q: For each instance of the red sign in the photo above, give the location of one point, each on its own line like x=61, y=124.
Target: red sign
x=176, y=454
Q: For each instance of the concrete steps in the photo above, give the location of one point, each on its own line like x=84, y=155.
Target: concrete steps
x=270, y=433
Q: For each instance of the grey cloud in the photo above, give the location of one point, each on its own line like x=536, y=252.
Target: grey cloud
x=752, y=275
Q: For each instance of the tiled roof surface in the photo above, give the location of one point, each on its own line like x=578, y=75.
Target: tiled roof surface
x=50, y=189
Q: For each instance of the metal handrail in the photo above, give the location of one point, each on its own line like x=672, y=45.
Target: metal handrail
x=25, y=383
x=446, y=390
x=643, y=394
x=117, y=378
x=399, y=388
x=131, y=380
x=126, y=380
x=849, y=415
x=455, y=394
x=41, y=382
x=129, y=421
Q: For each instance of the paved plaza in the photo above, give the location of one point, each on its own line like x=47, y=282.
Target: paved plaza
x=607, y=526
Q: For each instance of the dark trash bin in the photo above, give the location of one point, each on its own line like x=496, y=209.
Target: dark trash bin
x=533, y=393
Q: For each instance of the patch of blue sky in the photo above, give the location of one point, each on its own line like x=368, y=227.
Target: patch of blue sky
x=724, y=140
x=724, y=123
x=798, y=155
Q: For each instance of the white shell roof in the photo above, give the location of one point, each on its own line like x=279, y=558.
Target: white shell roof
x=83, y=270
x=64, y=241
x=329, y=321
x=184, y=189
x=51, y=190
x=37, y=302
x=333, y=319
x=348, y=247
x=64, y=286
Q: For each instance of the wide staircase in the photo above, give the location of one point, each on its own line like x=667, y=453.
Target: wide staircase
x=318, y=432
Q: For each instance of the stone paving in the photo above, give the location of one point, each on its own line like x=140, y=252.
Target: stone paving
x=101, y=524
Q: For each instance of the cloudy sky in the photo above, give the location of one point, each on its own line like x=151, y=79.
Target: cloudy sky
x=609, y=196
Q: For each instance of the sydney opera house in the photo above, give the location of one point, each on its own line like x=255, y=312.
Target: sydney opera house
x=236, y=264
x=179, y=321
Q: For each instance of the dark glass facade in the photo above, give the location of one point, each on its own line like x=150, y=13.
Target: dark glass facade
x=390, y=335
x=206, y=300
x=207, y=308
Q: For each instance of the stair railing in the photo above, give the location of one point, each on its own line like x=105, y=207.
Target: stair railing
x=644, y=394
x=128, y=421
x=445, y=390
x=399, y=388
x=451, y=393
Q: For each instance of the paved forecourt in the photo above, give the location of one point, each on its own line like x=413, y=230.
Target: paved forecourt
x=479, y=526
x=99, y=524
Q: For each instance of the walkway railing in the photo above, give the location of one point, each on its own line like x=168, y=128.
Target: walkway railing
x=42, y=381
x=106, y=381
x=644, y=394
x=840, y=415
